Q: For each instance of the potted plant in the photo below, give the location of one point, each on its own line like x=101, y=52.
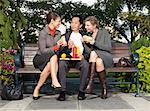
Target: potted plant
x=7, y=65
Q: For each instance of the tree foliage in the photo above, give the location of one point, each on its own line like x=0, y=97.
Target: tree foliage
x=37, y=11
x=133, y=19
x=143, y=41
x=12, y=22
x=107, y=11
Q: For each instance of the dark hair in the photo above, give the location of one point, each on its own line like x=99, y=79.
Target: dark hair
x=80, y=18
x=50, y=16
x=93, y=20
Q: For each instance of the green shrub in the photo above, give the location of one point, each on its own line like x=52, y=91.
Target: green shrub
x=143, y=41
x=144, y=68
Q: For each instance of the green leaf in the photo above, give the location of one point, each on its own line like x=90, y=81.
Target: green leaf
x=6, y=30
x=6, y=3
x=2, y=18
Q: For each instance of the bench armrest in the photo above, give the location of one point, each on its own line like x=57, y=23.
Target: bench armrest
x=135, y=59
x=19, y=57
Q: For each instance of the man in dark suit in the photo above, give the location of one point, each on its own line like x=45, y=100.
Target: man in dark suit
x=82, y=64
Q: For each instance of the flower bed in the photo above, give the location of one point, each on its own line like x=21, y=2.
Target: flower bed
x=7, y=65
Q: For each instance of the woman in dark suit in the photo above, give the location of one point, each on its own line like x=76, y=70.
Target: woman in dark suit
x=46, y=59
x=100, y=56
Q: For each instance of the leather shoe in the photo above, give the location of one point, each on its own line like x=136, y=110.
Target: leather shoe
x=62, y=96
x=81, y=95
x=36, y=98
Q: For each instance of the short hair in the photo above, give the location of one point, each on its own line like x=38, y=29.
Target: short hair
x=93, y=20
x=51, y=15
x=80, y=18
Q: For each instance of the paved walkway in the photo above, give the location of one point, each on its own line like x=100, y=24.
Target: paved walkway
x=117, y=101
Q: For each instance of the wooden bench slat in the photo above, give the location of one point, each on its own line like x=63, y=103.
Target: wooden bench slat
x=120, y=55
x=121, y=69
x=28, y=63
x=73, y=70
x=29, y=60
x=31, y=70
x=114, y=44
x=22, y=71
x=120, y=48
x=31, y=48
x=31, y=52
x=31, y=45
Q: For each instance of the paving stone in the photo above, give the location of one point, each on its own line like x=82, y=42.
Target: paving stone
x=17, y=104
x=147, y=98
x=137, y=103
x=3, y=102
x=50, y=102
x=11, y=110
x=94, y=102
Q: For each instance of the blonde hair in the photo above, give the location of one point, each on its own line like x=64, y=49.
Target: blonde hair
x=93, y=20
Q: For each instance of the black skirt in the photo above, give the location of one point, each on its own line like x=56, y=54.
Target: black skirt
x=40, y=61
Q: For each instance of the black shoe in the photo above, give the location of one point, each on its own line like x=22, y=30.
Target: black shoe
x=81, y=95
x=36, y=98
x=56, y=88
x=62, y=96
x=104, y=93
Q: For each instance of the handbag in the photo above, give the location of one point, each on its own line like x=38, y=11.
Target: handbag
x=124, y=62
x=12, y=92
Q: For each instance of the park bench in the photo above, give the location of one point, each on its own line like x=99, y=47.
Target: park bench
x=118, y=50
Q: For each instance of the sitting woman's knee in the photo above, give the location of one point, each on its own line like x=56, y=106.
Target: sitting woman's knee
x=47, y=68
x=93, y=56
x=99, y=65
x=54, y=57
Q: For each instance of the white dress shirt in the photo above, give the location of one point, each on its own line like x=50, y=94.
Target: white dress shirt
x=77, y=39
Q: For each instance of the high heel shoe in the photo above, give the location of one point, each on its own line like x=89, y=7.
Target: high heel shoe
x=35, y=95
x=36, y=98
x=55, y=87
x=104, y=93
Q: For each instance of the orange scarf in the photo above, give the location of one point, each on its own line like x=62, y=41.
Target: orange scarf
x=52, y=31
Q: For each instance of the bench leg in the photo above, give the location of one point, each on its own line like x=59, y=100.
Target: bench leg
x=16, y=79
x=137, y=85
x=132, y=82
